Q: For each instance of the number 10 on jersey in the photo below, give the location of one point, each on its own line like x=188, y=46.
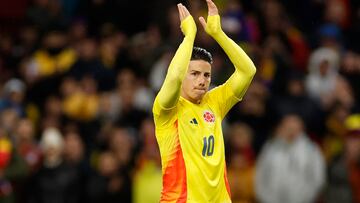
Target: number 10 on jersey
x=208, y=146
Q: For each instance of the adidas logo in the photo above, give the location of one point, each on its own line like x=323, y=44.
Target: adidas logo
x=194, y=121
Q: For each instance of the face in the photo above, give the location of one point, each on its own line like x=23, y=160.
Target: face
x=197, y=80
x=290, y=128
x=74, y=148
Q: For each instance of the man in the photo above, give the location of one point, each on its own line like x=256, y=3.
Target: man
x=290, y=167
x=344, y=170
x=188, y=117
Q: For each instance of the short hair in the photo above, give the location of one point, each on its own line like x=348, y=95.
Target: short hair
x=199, y=53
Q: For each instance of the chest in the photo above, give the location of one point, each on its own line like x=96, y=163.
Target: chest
x=199, y=119
x=200, y=131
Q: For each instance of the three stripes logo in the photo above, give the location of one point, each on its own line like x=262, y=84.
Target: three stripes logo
x=194, y=121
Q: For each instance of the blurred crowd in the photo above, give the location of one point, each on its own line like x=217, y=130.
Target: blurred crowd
x=78, y=79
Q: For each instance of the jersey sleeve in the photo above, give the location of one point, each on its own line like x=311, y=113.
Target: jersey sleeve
x=233, y=90
x=166, y=100
x=244, y=67
x=163, y=117
x=169, y=93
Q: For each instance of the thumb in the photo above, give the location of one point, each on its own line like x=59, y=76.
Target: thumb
x=203, y=22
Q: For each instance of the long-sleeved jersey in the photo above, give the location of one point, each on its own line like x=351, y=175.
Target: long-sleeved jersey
x=189, y=135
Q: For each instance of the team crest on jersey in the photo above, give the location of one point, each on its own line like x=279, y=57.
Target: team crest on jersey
x=209, y=116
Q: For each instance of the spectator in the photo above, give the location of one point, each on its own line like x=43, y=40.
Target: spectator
x=253, y=112
x=53, y=58
x=296, y=101
x=8, y=120
x=45, y=13
x=323, y=76
x=241, y=167
x=89, y=64
x=81, y=100
x=13, y=170
x=135, y=100
x=13, y=96
x=333, y=140
x=147, y=175
x=344, y=171
x=55, y=181
x=105, y=184
x=27, y=145
x=290, y=167
x=350, y=70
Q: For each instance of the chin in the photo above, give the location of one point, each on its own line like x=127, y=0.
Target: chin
x=198, y=97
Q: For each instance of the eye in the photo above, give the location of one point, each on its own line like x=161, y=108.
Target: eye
x=207, y=75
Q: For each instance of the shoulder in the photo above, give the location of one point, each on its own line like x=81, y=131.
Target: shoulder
x=163, y=117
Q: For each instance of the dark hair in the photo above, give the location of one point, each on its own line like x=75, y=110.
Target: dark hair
x=201, y=54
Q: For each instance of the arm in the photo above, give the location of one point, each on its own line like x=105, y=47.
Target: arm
x=170, y=91
x=244, y=67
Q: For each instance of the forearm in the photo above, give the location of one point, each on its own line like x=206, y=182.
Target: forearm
x=170, y=90
x=244, y=67
x=236, y=54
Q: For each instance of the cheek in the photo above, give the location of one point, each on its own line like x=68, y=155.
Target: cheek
x=187, y=83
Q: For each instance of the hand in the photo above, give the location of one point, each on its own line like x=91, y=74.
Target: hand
x=188, y=26
x=212, y=26
x=183, y=12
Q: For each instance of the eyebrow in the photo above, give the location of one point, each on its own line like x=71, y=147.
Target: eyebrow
x=197, y=71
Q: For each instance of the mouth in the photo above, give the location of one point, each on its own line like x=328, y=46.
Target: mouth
x=203, y=90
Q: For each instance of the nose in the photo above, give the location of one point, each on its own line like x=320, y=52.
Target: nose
x=201, y=81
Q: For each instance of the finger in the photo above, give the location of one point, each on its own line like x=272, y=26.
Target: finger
x=179, y=9
x=186, y=11
x=212, y=7
x=210, y=3
x=181, y=12
x=203, y=22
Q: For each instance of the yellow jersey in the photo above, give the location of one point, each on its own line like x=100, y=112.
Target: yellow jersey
x=192, y=148
x=190, y=135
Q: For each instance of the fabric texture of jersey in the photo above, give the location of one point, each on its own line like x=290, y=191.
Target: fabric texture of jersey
x=192, y=148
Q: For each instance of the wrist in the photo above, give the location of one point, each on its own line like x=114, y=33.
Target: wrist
x=218, y=36
x=214, y=26
x=188, y=27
